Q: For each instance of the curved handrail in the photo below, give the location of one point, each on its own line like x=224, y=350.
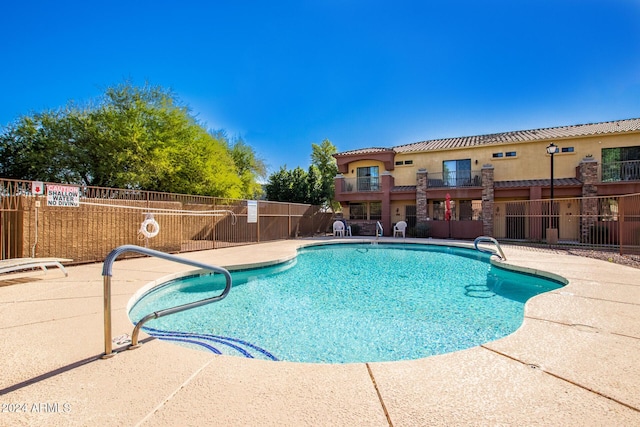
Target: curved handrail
x=492, y=240
x=379, y=227
x=107, y=273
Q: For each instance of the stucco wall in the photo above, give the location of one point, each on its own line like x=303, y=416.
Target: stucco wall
x=531, y=160
x=353, y=166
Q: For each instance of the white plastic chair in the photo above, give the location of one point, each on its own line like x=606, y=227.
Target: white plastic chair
x=338, y=229
x=400, y=228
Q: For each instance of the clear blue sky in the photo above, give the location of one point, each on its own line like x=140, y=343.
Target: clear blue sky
x=284, y=74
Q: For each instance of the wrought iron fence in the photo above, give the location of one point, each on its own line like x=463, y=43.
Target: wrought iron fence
x=88, y=227
x=609, y=222
x=628, y=170
x=362, y=184
x=460, y=178
x=104, y=218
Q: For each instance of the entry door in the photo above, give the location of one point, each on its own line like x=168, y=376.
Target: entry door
x=410, y=215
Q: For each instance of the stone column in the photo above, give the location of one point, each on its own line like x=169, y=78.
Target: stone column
x=588, y=174
x=487, y=200
x=422, y=209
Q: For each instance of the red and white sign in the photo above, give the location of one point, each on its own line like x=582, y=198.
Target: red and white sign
x=37, y=187
x=63, y=195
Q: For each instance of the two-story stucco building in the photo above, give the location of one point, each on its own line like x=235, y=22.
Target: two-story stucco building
x=476, y=173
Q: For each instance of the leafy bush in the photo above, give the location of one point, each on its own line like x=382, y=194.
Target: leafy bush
x=422, y=229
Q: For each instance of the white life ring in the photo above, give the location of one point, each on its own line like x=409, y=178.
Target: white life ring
x=144, y=227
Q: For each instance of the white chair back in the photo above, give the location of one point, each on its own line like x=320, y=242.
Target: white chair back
x=399, y=228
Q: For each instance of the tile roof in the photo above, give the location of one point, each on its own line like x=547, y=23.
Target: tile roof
x=559, y=182
x=618, y=126
x=403, y=188
x=364, y=151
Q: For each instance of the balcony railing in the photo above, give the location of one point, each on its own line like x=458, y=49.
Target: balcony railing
x=357, y=185
x=621, y=171
x=462, y=178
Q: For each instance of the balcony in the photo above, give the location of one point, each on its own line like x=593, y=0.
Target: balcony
x=361, y=185
x=620, y=171
x=455, y=179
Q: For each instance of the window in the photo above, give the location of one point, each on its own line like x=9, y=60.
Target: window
x=408, y=162
x=366, y=211
x=470, y=210
x=566, y=150
x=438, y=210
x=511, y=154
x=621, y=154
x=497, y=155
x=620, y=164
x=368, y=179
x=466, y=210
x=357, y=211
x=456, y=173
x=375, y=210
x=399, y=163
x=410, y=215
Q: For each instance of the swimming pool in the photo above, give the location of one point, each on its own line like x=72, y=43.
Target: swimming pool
x=349, y=303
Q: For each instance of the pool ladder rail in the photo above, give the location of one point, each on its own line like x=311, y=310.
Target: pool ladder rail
x=107, y=273
x=379, y=230
x=481, y=239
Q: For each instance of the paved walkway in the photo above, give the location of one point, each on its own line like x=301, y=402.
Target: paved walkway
x=574, y=361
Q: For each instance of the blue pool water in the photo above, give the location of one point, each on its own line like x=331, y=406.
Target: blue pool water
x=349, y=303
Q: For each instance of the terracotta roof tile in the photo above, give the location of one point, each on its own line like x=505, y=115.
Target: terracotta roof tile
x=560, y=182
x=403, y=188
x=364, y=151
x=619, y=126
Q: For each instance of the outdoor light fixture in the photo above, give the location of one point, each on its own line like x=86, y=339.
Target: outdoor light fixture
x=551, y=150
x=552, y=236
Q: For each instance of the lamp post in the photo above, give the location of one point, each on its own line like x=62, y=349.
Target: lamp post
x=551, y=150
x=552, y=237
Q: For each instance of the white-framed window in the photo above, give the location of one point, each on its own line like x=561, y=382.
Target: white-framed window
x=368, y=178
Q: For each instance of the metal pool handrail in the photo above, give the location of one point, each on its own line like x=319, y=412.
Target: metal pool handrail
x=492, y=240
x=379, y=227
x=107, y=273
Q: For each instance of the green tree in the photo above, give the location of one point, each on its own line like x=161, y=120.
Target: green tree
x=288, y=186
x=131, y=137
x=278, y=187
x=314, y=186
x=315, y=192
x=299, y=186
x=322, y=158
x=249, y=168
x=31, y=147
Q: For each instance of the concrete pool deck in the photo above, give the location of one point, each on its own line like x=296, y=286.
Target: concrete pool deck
x=574, y=360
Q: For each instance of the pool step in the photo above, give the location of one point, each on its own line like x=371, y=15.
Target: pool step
x=214, y=343
x=478, y=291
